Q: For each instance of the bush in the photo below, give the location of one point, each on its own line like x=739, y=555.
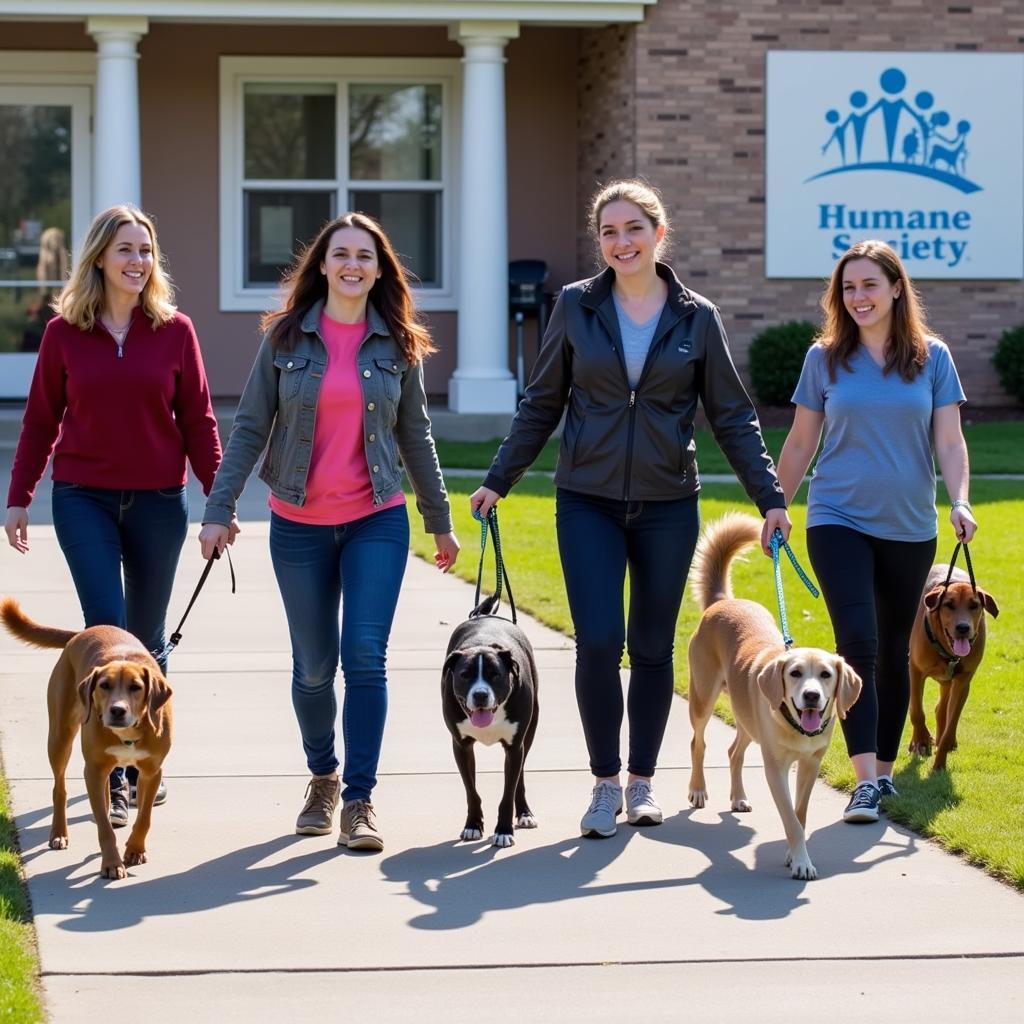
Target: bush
x=776, y=358
x=1009, y=362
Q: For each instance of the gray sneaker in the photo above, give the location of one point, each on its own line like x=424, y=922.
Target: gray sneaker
x=605, y=804
x=119, y=806
x=359, y=827
x=641, y=807
x=317, y=817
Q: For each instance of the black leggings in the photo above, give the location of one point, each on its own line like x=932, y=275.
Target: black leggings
x=872, y=589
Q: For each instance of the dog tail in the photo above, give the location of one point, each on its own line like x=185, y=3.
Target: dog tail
x=720, y=543
x=20, y=625
x=488, y=606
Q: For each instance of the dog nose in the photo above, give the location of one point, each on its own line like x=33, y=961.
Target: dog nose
x=118, y=711
x=963, y=628
x=811, y=698
x=480, y=699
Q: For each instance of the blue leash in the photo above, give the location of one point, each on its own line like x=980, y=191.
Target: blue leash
x=777, y=542
x=490, y=524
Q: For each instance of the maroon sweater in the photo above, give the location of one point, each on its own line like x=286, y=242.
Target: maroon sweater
x=123, y=424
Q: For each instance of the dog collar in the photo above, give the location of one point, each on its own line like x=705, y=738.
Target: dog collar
x=788, y=716
x=952, y=661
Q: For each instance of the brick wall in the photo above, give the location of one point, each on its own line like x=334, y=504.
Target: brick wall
x=696, y=130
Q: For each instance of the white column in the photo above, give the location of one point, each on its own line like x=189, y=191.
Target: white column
x=117, y=158
x=482, y=381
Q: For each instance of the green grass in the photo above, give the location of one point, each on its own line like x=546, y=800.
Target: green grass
x=19, y=999
x=970, y=809
x=994, y=448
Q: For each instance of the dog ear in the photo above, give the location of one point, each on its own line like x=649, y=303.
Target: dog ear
x=158, y=693
x=85, y=689
x=770, y=681
x=506, y=658
x=449, y=662
x=989, y=603
x=848, y=687
x=933, y=597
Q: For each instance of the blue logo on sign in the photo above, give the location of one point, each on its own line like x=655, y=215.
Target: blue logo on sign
x=914, y=137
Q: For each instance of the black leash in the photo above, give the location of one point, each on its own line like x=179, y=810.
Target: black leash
x=490, y=523
x=176, y=635
x=970, y=566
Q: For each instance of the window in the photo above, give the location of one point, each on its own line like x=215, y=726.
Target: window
x=303, y=140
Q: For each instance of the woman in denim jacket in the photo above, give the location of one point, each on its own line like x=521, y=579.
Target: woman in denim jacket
x=337, y=389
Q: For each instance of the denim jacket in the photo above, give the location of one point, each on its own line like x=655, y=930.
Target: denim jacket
x=279, y=405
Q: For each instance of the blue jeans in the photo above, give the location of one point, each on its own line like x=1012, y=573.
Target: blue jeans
x=106, y=532
x=358, y=567
x=598, y=540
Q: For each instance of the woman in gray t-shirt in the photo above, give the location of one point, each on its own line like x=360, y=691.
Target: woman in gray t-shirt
x=884, y=390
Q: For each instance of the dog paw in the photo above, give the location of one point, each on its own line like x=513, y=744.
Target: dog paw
x=801, y=867
x=503, y=840
x=58, y=842
x=921, y=747
x=698, y=797
x=469, y=834
x=113, y=869
x=526, y=820
x=134, y=857
x=743, y=806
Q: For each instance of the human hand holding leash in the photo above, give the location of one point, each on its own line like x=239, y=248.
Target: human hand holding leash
x=482, y=500
x=775, y=519
x=17, y=528
x=213, y=537
x=965, y=526
x=447, y=552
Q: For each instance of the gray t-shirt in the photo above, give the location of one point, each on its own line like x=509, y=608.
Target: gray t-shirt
x=636, y=341
x=875, y=473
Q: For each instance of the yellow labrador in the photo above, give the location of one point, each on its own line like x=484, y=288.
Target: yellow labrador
x=787, y=701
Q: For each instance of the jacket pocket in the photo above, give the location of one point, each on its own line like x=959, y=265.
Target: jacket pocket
x=290, y=371
x=391, y=371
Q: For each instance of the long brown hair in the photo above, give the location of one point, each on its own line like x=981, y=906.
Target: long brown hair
x=391, y=296
x=907, y=350
x=81, y=300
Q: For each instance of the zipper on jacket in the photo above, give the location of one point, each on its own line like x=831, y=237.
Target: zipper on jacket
x=120, y=348
x=629, y=444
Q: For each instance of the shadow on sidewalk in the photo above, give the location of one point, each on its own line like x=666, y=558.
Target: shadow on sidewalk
x=460, y=883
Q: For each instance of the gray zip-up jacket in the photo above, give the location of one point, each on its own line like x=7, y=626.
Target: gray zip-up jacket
x=635, y=444
x=279, y=406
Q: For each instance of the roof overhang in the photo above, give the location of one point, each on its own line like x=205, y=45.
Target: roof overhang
x=406, y=12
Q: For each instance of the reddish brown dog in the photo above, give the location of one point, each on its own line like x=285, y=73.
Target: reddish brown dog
x=106, y=684
x=947, y=643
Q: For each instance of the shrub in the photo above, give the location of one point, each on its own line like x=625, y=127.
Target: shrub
x=1009, y=362
x=776, y=358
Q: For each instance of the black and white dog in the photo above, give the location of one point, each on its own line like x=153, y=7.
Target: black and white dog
x=489, y=693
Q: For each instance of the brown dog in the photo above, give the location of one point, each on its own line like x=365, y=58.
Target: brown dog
x=106, y=684
x=947, y=643
x=787, y=701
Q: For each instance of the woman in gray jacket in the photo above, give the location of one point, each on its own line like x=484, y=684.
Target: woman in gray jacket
x=337, y=390
x=630, y=352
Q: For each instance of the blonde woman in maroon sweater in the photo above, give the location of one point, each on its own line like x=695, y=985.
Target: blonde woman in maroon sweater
x=120, y=390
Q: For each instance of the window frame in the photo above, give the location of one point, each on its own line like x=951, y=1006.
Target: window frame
x=236, y=72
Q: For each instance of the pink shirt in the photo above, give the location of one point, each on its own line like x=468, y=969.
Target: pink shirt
x=338, y=487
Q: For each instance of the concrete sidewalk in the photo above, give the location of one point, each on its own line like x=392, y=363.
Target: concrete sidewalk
x=234, y=918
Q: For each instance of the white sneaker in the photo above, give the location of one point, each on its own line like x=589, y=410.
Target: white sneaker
x=605, y=804
x=641, y=807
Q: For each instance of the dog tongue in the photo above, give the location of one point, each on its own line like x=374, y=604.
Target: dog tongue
x=482, y=719
x=961, y=647
x=810, y=719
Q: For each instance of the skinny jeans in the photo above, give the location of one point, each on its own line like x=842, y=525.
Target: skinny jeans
x=872, y=589
x=357, y=567
x=599, y=540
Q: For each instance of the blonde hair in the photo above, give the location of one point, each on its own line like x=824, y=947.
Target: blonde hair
x=907, y=350
x=643, y=196
x=81, y=300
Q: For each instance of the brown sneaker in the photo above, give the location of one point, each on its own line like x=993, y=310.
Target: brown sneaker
x=359, y=827
x=317, y=817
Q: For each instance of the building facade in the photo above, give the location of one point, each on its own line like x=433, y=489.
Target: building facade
x=475, y=131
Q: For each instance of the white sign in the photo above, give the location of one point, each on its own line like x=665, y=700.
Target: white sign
x=922, y=150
